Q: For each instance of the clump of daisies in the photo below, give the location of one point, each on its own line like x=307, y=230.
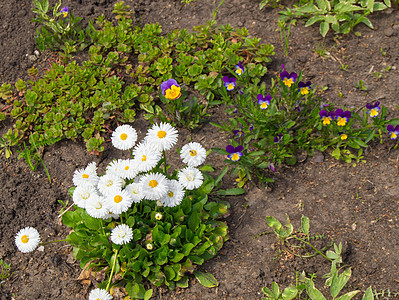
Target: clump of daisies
x=137, y=201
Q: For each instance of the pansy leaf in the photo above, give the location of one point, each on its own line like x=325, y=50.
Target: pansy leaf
x=393, y=122
x=206, y=279
x=231, y=192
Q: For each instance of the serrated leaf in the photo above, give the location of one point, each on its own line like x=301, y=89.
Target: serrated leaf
x=206, y=279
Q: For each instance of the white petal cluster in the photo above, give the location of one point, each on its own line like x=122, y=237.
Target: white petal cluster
x=87, y=176
x=174, y=195
x=99, y=294
x=124, y=137
x=154, y=186
x=190, y=178
x=121, y=234
x=193, y=154
x=162, y=137
x=146, y=156
x=27, y=239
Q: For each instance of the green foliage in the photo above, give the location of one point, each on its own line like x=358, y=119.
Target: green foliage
x=57, y=32
x=5, y=271
x=291, y=124
x=295, y=241
x=339, y=15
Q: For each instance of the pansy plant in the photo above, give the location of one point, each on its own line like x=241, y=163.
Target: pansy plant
x=373, y=109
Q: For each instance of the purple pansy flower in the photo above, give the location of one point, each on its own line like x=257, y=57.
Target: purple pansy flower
x=171, y=89
x=271, y=166
x=65, y=11
x=373, y=109
x=229, y=83
x=288, y=78
x=264, y=101
x=393, y=131
x=238, y=132
x=342, y=117
x=239, y=68
x=326, y=117
x=251, y=128
x=304, y=88
x=235, y=152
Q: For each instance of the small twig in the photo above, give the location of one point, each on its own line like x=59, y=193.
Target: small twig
x=61, y=214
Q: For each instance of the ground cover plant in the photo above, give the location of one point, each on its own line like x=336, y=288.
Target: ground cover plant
x=354, y=206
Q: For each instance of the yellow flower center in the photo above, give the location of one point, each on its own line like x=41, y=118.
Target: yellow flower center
x=393, y=135
x=326, y=121
x=123, y=136
x=153, y=183
x=288, y=81
x=161, y=134
x=85, y=176
x=24, y=239
x=173, y=93
x=99, y=205
x=170, y=194
x=193, y=152
x=85, y=195
x=305, y=91
x=344, y=136
x=64, y=14
x=263, y=105
x=144, y=158
x=341, y=121
x=373, y=113
x=117, y=199
x=230, y=86
x=239, y=71
x=109, y=183
x=126, y=168
x=235, y=157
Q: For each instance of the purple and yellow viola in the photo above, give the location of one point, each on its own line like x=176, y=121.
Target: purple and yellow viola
x=171, y=89
x=65, y=11
x=342, y=117
x=239, y=69
x=235, y=153
x=373, y=109
x=326, y=117
x=288, y=78
x=304, y=88
x=264, y=101
x=393, y=131
x=229, y=83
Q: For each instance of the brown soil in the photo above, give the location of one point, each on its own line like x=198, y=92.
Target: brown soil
x=357, y=206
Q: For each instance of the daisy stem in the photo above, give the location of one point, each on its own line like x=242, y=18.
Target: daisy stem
x=164, y=161
x=102, y=226
x=121, y=218
x=113, y=268
x=56, y=241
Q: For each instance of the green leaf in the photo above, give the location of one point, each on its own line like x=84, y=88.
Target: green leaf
x=221, y=175
x=348, y=296
x=275, y=290
x=379, y=6
x=314, y=293
x=313, y=20
x=393, y=122
x=193, y=221
x=231, y=192
x=148, y=294
x=305, y=225
x=323, y=5
x=273, y=222
x=289, y=293
x=331, y=19
x=206, y=279
x=368, y=295
x=339, y=282
x=324, y=27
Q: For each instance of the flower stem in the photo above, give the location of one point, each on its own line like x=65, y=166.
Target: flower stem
x=112, y=271
x=164, y=161
x=56, y=241
x=314, y=248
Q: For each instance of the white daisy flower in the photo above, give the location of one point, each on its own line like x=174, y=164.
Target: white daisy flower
x=158, y=216
x=27, y=239
x=97, y=207
x=119, y=201
x=121, y=234
x=128, y=169
x=99, y=294
x=134, y=189
x=193, y=154
x=162, y=136
x=115, y=167
x=109, y=182
x=149, y=246
x=175, y=194
x=87, y=176
x=82, y=194
x=154, y=186
x=146, y=157
x=124, y=137
x=190, y=178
